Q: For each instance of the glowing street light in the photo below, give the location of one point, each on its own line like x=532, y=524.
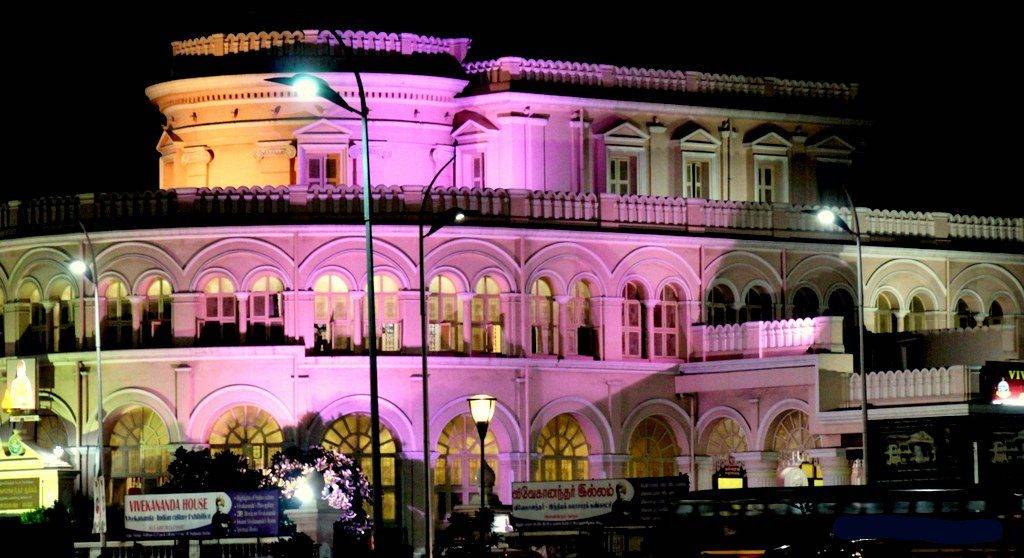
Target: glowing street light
x=482, y=408
x=78, y=267
x=306, y=87
x=826, y=216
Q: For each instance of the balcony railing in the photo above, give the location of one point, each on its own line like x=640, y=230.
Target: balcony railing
x=401, y=204
x=761, y=339
x=902, y=387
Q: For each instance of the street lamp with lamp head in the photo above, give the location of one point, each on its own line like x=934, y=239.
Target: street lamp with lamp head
x=481, y=407
x=826, y=217
x=308, y=86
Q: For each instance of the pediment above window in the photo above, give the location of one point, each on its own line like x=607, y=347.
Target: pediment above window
x=694, y=137
x=323, y=131
x=624, y=132
x=767, y=138
x=471, y=127
x=830, y=144
x=169, y=143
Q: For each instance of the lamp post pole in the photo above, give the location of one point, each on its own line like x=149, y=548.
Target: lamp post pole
x=828, y=217
x=307, y=84
x=481, y=407
x=91, y=274
x=860, y=340
x=424, y=375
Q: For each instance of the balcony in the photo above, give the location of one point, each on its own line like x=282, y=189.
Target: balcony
x=401, y=204
x=908, y=387
x=767, y=339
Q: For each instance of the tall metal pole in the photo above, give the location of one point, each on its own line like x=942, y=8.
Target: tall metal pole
x=428, y=502
x=371, y=320
x=860, y=335
x=481, y=428
x=99, y=362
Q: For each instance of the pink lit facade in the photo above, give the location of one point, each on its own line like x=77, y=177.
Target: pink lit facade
x=641, y=292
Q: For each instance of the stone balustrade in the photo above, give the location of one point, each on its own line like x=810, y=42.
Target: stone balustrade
x=220, y=44
x=761, y=339
x=400, y=204
x=510, y=68
x=902, y=387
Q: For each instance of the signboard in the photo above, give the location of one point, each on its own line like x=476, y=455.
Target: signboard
x=202, y=515
x=729, y=475
x=1001, y=449
x=1003, y=383
x=910, y=451
x=19, y=494
x=597, y=501
x=99, y=505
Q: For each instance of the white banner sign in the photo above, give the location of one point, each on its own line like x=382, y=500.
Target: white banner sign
x=569, y=500
x=171, y=513
x=99, y=505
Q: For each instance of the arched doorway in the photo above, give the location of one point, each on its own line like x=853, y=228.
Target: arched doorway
x=563, y=450
x=456, y=473
x=350, y=434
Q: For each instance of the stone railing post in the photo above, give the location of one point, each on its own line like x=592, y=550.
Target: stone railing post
x=835, y=469
x=751, y=340
x=940, y=224
x=519, y=205
x=608, y=210
x=828, y=333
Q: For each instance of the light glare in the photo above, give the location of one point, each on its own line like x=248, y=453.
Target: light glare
x=78, y=267
x=304, y=492
x=306, y=87
x=826, y=217
x=460, y=217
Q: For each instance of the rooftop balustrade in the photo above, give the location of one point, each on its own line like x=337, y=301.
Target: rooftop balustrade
x=903, y=387
x=401, y=204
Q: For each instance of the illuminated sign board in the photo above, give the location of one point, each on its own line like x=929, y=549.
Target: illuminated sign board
x=19, y=494
x=1009, y=388
x=605, y=500
x=204, y=514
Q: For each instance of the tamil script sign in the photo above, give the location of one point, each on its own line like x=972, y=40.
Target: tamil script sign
x=202, y=514
x=19, y=494
x=604, y=500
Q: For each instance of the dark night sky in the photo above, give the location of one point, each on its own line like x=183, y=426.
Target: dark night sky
x=940, y=142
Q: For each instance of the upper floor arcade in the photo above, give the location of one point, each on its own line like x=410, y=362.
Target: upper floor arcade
x=497, y=291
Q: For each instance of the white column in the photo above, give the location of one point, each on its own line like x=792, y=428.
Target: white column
x=835, y=469
x=243, y=313
x=357, y=321
x=762, y=468
x=466, y=303
x=137, y=302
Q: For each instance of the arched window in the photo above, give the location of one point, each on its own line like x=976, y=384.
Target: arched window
x=63, y=330
x=667, y=323
x=137, y=445
x=456, y=473
x=388, y=314
x=965, y=317
x=563, y=451
x=721, y=306
x=790, y=433
x=916, y=319
x=487, y=317
x=350, y=435
x=805, y=303
x=580, y=332
x=33, y=339
x=757, y=306
x=886, y=309
x=249, y=432
x=218, y=323
x=652, y=450
x=266, y=311
x=444, y=315
x=52, y=432
x=332, y=316
x=634, y=334
x=156, y=327
x=117, y=322
x=543, y=318
x=995, y=314
x=724, y=437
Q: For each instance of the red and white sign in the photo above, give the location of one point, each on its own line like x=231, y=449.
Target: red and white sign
x=1009, y=388
x=170, y=513
x=569, y=500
